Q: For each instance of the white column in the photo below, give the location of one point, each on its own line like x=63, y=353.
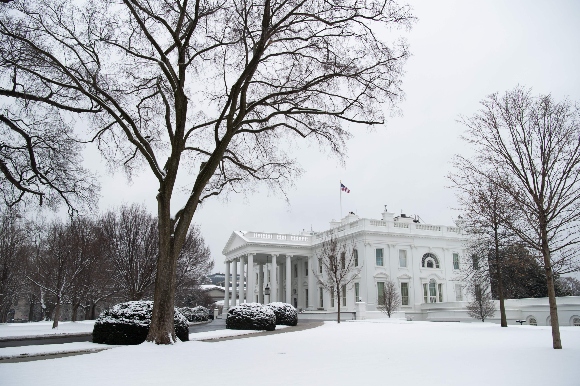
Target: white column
x=281, y=282
x=227, y=288
x=299, y=286
x=242, y=279
x=261, y=283
x=289, y=279
x=273, y=278
x=250, y=296
x=312, y=289
x=234, y=282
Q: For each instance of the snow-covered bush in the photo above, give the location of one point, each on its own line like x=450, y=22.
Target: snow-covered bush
x=251, y=316
x=285, y=313
x=195, y=314
x=128, y=323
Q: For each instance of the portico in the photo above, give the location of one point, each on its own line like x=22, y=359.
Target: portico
x=282, y=272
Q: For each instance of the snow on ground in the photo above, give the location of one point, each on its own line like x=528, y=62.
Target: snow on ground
x=412, y=353
x=10, y=352
x=33, y=329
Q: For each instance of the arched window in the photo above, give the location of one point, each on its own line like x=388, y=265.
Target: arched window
x=575, y=321
x=532, y=321
x=432, y=292
x=430, y=261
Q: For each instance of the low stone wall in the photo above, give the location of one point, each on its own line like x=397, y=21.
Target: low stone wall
x=326, y=315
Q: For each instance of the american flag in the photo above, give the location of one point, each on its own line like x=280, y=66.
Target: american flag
x=344, y=188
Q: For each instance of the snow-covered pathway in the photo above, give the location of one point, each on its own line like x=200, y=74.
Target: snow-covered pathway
x=411, y=353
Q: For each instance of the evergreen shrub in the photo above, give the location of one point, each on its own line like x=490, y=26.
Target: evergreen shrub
x=128, y=323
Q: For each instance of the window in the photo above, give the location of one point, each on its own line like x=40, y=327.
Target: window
x=356, y=258
x=319, y=265
x=380, y=293
x=429, y=260
x=432, y=291
x=344, y=295
x=532, y=321
x=307, y=298
x=440, y=289
x=295, y=270
x=257, y=278
x=306, y=268
x=331, y=299
x=425, y=294
x=321, y=300
x=356, y=292
x=404, y=294
x=456, y=261
x=342, y=260
x=576, y=322
x=402, y=258
x=379, y=256
x=458, y=292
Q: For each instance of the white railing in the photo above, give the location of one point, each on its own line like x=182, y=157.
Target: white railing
x=453, y=229
x=262, y=236
x=378, y=223
x=280, y=237
x=428, y=227
x=400, y=225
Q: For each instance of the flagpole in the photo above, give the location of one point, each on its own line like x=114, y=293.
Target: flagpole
x=340, y=200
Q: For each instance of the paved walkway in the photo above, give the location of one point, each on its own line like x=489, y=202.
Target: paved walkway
x=299, y=327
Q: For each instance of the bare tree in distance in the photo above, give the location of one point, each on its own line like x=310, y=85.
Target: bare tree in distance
x=481, y=306
x=534, y=144
x=131, y=245
x=391, y=300
x=338, y=258
x=14, y=242
x=64, y=255
x=215, y=90
x=486, y=210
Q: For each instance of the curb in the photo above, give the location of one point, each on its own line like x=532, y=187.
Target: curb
x=39, y=356
x=51, y=336
x=306, y=326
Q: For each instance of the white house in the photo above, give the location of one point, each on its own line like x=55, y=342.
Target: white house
x=423, y=260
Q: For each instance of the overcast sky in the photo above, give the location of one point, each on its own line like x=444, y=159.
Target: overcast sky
x=462, y=51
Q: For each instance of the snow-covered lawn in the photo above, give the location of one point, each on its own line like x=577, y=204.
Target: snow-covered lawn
x=352, y=353
x=15, y=330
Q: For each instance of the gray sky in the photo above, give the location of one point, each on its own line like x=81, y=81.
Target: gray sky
x=462, y=52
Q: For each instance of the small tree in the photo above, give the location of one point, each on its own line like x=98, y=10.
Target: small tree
x=391, y=300
x=338, y=259
x=481, y=306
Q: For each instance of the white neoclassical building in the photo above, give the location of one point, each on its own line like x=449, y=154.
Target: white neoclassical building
x=423, y=260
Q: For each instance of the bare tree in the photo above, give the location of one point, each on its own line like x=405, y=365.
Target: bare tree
x=64, y=256
x=534, y=143
x=193, y=265
x=40, y=159
x=486, y=212
x=218, y=90
x=391, y=300
x=570, y=286
x=13, y=250
x=481, y=306
x=338, y=258
x=130, y=234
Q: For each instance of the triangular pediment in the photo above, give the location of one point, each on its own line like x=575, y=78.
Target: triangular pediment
x=235, y=241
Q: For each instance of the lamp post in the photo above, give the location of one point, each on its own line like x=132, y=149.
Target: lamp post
x=267, y=294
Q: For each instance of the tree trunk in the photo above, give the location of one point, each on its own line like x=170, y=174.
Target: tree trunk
x=56, y=313
x=556, y=342
x=162, y=330
x=93, y=311
x=75, y=309
x=338, y=299
x=499, y=282
x=31, y=305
